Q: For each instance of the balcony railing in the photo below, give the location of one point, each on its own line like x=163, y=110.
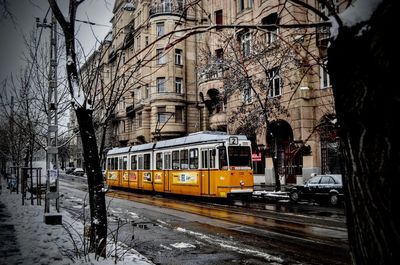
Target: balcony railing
x=211, y=72
x=168, y=8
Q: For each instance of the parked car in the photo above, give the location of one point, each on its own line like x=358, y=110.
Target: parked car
x=78, y=172
x=69, y=170
x=320, y=188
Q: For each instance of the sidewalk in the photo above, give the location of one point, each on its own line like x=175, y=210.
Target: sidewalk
x=25, y=239
x=9, y=248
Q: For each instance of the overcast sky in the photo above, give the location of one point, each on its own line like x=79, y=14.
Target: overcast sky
x=24, y=13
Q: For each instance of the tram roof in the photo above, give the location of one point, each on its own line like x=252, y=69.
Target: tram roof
x=118, y=150
x=193, y=138
x=135, y=148
x=198, y=137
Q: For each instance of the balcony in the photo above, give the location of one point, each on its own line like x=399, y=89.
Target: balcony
x=123, y=136
x=168, y=8
x=214, y=71
x=130, y=111
x=218, y=120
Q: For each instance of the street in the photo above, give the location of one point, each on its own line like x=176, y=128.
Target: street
x=177, y=231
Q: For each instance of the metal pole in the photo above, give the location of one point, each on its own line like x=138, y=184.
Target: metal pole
x=52, y=117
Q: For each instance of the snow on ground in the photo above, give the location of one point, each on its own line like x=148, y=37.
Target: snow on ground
x=50, y=244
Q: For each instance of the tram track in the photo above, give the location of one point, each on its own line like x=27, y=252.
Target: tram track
x=255, y=226
x=262, y=222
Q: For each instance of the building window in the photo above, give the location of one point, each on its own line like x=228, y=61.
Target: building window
x=241, y=5
x=160, y=28
x=178, y=56
x=219, y=18
x=178, y=114
x=138, y=43
x=245, y=43
x=178, y=85
x=275, y=86
x=247, y=94
x=219, y=55
x=330, y=145
x=324, y=76
x=146, y=91
x=139, y=117
x=250, y=3
x=160, y=56
x=146, y=40
x=122, y=127
x=161, y=85
x=161, y=115
x=271, y=22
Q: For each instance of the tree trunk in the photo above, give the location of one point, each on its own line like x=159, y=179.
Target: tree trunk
x=98, y=215
x=361, y=65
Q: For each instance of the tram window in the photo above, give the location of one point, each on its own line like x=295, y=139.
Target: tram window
x=140, y=162
x=125, y=162
x=223, y=162
x=213, y=157
x=239, y=156
x=167, y=161
x=109, y=163
x=114, y=163
x=133, y=162
x=120, y=163
x=159, y=161
x=204, y=158
x=175, y=160
x=184, y=159
x=146, y=161
x=194, y=158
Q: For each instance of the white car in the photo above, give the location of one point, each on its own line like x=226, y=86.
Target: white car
x=78, y=172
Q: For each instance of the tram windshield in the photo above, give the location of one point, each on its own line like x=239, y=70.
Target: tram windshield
x=239, y=156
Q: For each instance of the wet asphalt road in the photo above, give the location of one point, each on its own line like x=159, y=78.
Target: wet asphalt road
x=170, y=231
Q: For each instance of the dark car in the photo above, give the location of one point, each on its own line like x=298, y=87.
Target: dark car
x=69, y=170
x=319, y=188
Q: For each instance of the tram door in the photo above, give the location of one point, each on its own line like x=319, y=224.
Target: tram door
x=208, y=157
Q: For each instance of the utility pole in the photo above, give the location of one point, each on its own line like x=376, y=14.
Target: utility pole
x=52, y=118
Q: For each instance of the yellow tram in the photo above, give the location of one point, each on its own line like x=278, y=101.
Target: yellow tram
x=207, y=164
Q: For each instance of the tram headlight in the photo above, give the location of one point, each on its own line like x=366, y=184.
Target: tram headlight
x=241, y=183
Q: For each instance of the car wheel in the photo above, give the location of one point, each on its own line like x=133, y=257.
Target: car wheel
x=294, y=196
x=334, y=199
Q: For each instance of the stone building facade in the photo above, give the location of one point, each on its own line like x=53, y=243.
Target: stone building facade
x=241, y=65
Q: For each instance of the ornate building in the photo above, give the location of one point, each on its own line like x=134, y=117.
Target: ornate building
x=238, y=66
